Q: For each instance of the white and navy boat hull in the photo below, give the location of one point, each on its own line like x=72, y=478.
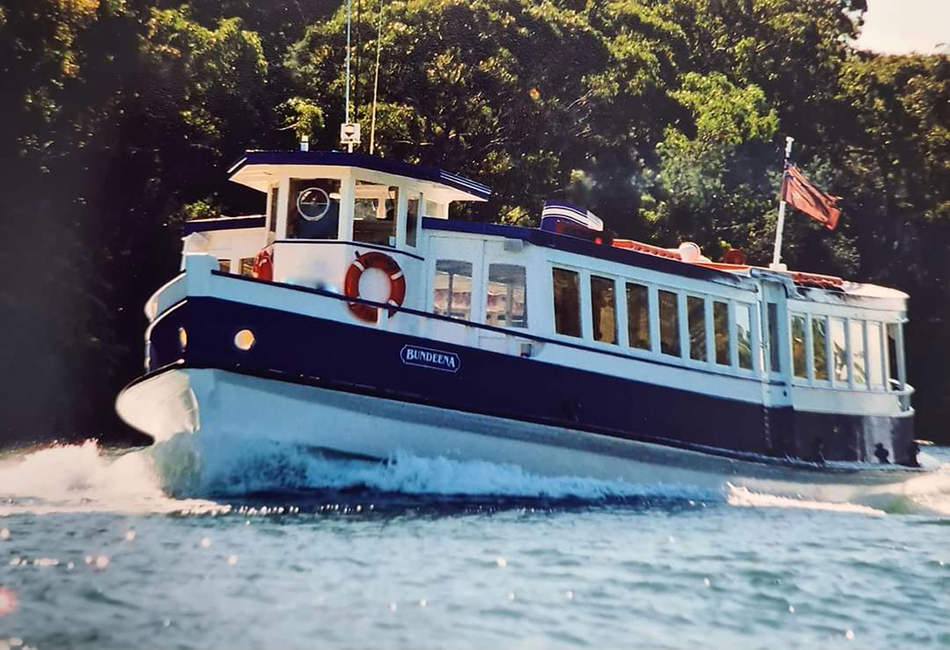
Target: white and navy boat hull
x=370, y=393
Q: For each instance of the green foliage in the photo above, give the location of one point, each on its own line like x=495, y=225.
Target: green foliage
x=666, y=117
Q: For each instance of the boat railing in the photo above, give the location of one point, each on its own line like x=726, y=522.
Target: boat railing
x=168, y=294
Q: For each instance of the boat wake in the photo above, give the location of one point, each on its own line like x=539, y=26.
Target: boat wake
x=172, y=478
x=926, y=495
x=262, y=466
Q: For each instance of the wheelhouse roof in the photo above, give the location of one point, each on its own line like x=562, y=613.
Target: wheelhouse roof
x=253, y=170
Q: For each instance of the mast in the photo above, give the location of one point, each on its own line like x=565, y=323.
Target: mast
x=372, y=126
x=776, y=264
x=349, y=20
x=349, y=131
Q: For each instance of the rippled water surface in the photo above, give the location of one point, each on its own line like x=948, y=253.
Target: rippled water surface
x=310, y=553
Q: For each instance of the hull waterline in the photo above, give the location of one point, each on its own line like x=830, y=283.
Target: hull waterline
x=220, y=409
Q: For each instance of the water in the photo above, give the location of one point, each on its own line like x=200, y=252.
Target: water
x=298, y=552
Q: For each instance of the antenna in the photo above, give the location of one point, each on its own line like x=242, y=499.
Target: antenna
x=349, y=131
x=372, y=124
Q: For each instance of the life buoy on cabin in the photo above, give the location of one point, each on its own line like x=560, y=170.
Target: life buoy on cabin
x=386, y=264
x=264, y=265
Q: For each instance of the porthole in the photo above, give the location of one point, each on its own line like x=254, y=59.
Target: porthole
x=244, y=340
x=183, y=338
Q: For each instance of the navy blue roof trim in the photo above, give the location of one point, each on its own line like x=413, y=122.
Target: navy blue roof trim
x=232, y=223
x=343, y=159
x=583, y=247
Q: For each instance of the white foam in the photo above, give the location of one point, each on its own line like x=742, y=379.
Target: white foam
x=743, y=497
x=85, y=478
x=260, y=465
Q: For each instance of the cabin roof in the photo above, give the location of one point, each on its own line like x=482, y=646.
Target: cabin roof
x=583, y=247
x=808, y=284
x=255, y=170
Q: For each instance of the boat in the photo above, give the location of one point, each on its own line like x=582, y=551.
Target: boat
x=356, y=317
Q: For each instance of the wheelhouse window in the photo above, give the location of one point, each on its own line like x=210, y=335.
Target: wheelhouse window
x=412, y=222
x=875, y=355
x=696, y=318
x=819, y=340
x=313, y=211
x=603, y=309
x=744, y=335
x=453, y=289
x=374, y=213
x=669, y=323
x=506, y=306
x=567, y=302
x=799, y=358
x=638, y=316
x=858, y=359
x=839, y=350
x=721, y=326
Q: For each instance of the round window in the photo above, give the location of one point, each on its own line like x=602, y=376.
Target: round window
x=313, y=203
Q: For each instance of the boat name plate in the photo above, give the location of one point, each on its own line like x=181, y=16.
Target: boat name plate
x=413, y=355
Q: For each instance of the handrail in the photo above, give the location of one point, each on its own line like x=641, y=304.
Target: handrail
x=498, y=330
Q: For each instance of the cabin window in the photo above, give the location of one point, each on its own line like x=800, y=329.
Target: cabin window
x=638, y=316
x=313, y=211
x=721, y=327
x=744, y=335
x=412, y=222
x=858, y=359
x=453, y=289
x=819, y=340
x=272, y=214
x=247, y=267
x=893, y=367
x=696, y=319
x=799, y=365
x=224, y=265
x=839, y=350
x=567, y=302
x=669, y=323
x=603, y=309
x=506, y=306
x=875, y=360
x=774, y=351
x=374, y=213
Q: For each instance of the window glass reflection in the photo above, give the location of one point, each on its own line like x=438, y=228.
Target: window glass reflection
x=453, y=289
x=506, y=306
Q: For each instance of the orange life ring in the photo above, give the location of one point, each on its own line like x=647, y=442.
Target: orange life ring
x=264, y=265
x=386, y=264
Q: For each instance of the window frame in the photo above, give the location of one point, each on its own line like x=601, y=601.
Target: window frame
x=581, y=307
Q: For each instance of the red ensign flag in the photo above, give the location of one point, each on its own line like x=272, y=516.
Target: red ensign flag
x=799, y=193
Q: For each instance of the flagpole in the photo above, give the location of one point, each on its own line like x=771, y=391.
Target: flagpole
x=776, y=264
